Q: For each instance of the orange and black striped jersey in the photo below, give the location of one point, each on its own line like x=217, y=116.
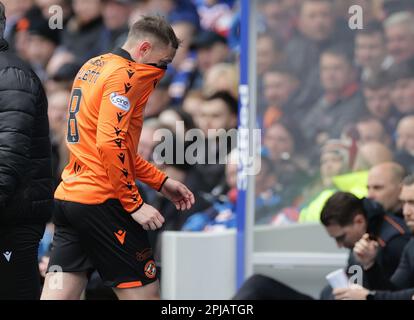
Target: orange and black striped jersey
x=104, y=125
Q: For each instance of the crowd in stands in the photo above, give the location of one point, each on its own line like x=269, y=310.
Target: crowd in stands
x=333, y=102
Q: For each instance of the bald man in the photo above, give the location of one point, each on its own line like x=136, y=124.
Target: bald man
x=384, y=186
x=371, y=154
x=405, y=143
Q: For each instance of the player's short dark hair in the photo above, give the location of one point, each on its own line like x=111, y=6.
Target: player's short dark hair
x=156, y=26
x=341, y=209
x=227, y=98
x=2, y=19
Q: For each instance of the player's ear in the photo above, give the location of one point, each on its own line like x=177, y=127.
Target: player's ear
x=143, y=48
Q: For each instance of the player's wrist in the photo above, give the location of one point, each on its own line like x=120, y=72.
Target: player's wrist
x=137, y=208
x=162, y=184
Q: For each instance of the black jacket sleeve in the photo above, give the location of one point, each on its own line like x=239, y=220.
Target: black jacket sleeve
x=17, y=113
x=377, y=280
x=402, y=277
x=392, y=255
x=406, y=294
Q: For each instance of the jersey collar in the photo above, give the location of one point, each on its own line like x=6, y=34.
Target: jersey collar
x=125, y=54
x=122, y=53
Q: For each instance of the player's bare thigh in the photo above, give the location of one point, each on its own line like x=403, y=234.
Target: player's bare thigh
x=64, y=285
x=148, y=292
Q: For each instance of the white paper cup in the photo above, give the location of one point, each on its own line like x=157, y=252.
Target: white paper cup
x=338, y=279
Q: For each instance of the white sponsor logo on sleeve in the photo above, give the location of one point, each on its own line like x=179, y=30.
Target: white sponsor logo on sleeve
x=120, y=102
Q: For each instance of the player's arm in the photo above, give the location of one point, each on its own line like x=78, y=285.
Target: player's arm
x=114, y=118
x=147, y=173
x=173, y=190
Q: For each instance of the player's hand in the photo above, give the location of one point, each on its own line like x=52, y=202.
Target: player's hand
x=365, y=251
x=178, y=194
x=148, y=217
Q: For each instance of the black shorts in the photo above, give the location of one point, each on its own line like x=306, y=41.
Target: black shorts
x=102, y=237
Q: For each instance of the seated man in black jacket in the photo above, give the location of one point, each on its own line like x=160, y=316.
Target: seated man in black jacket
x=346, y=219
x=26, y=185
x=401, y=284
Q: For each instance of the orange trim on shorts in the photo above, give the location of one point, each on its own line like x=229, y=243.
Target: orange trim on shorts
x=132, y=284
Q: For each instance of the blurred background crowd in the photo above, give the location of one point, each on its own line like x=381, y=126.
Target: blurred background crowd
x=335, y=105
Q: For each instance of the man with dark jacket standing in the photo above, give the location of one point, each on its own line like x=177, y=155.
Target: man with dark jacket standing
x=26, y=189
